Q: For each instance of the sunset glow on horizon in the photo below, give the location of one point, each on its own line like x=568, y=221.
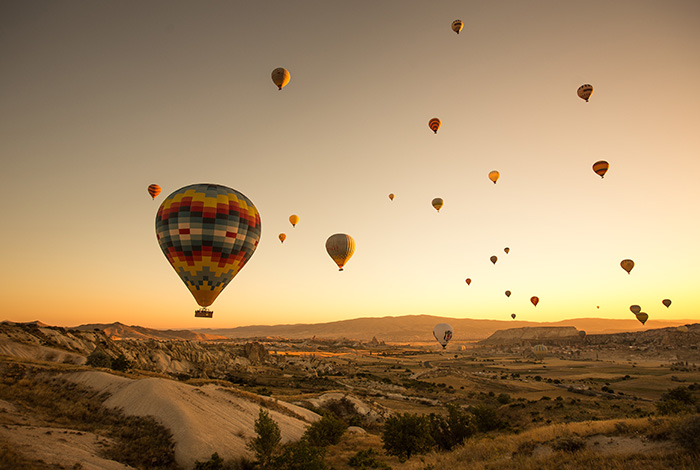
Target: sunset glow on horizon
x=102, y=99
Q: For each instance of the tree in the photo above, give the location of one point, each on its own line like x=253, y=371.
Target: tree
x=486, y=418
x=99, y=358
x=121, y=363
x=215, y=463
x=407, y=434
x=267, y=440
x=326, y=431
x=452, y=430
x=300, y=455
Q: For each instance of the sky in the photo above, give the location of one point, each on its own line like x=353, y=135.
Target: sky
x=101, y=98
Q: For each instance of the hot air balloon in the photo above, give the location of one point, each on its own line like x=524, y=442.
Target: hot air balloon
x=666, y=302
x=280, y=77
x=469, y=281
x=682, y=329
x=494, y=175
x=582, y=334
x=493, y=259
x=442, y=333
x=208, y=232
x=540, y=351
x=535, y=300
x=294, y=220
x=457, y=26
x=507, y=293
x=438, y=203
x=434, y=124
x=627, y=265
x=584, y=91
x=340, y=247
x=391, y=196
x=512, y=315
x=635, y=309
x=642, y=317
x=601, y=167
x=153, y=190
x=282, y=237
x=507, y=250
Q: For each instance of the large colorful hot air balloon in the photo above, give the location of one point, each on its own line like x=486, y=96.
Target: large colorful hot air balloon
x=153, y=190
x=584, y=91
x=635, y=309
x=512, y=315
x=493, y=259
x=666, y=302
x=340, y=247
x=507, y=293
x=208, y=232
x=494, y=175
x=642, y=317
x=468, y=281
x=391, y=196
x=282, y=237
x=443, y=333
x=434, y=124
x=540, y=351
x=601, y=167
x=457, y=26
x=294, y=220
x=627, y=265
x=438, y=203
x=280, y=77
x=535, y=300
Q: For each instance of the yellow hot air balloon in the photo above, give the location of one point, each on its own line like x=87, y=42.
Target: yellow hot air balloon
x=493, y=259
x=457, y=26
x=494, y=175
x=666, y=302
x=153, y=190
x=340, y=247
x=601, y=167
x=584, y=91
x=627, y=265
x=635, y=309
x=642, y=317
x=438, y=203
x=535, y=300
x=391, y=196
x=512, y=315
x=280, y=77
x=294, y=220
x=434, y=124
x=469, y=281
x=507, y=293
x=282, y=237
x=507, y=250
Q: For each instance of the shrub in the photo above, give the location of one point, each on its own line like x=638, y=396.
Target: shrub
x=267, y=440
x=569, y=444
x=299, y=456
x=120, y=363
x=503, y=398
x=407, y=434
x=687, y=434
x=367, y=459
x=326, y=431
x=677, y=400
x=99, y=358
x=486, y=418
x=215, y=463
x=453, y=430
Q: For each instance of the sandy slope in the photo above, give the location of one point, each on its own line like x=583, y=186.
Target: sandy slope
x=203, y=420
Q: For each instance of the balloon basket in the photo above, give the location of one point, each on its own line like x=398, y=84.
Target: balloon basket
x=203, y=313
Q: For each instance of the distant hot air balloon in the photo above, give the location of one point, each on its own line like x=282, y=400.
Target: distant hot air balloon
x=469, y=281
x=494, y=175
x=682, y=329
x=540, y=351
x=512, y=315
x=666, y=302
x=582, y=334
x=584, y=91
x=507, y=293
x=340, y=247
x=627, y=265
x=535, y=300
x=434, y=124
x=601, y=167
x=208, y=232
x=438, y=203
x=642, y=317
x=493, y=259
x=507, y=250
x=443, y=333
x=153, y=190
x=280, y=77
x=391, y=196
x=282, y=237
x=635, y=309
x=294, y=220
x=457, y=26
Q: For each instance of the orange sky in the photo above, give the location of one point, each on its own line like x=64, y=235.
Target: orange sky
x=100, y=99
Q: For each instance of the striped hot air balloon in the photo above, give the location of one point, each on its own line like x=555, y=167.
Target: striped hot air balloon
x=153, y=190
x=457, y=26
x=540, y=351
x=584, y=91
x=280, y=77
x=601, y=167
x=340, y=248
x=434, y=124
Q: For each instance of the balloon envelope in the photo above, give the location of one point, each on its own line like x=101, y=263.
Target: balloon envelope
x=642, y=317
x=635, y=309
x=493, y=259
x=282, y=237
x=208, y=232
x=627, y=265
x=582, y=334
x=457, y=26
x=391, y=196
x=682, y=329
x=340, y=247
x=443, y=333
x=601, y=167
x=494, y=175
x=438, y=203
x=512, y=315
x=535, y=300
x=280, y=77
x=584, y=91
x=434, y=124
x=666, y=302
x=507, y=293
x=468, y=281
x=507, y=250
x=540, y=350
x=153, y=190
x=294, y=220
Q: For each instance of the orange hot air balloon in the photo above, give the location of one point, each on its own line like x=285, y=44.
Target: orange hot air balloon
x=457, y=26
x=584, y=91
x=282, y=237
x=507, y=250
x=494, y=175
x=601, y=167
x=280, y=77
x=635, y=309
x=507, y=293
x=666, y=302
x=512, y=315
x=391, y=196
x=438, y=203
x=153, y=190
x=627, y=265
x=469, y=281
x=535, y=300
x=340, y=248
x=434, y=124
x=494, y=259
x=294, y=220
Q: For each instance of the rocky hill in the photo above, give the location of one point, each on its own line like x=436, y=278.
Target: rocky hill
x=534, y=335
x=120, y=331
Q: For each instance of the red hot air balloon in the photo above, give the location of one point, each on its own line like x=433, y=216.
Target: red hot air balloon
x=535, y=300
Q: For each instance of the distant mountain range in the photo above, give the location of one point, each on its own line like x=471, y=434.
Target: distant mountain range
x=120, y=331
